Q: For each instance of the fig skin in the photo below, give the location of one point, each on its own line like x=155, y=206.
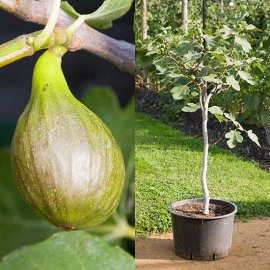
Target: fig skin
x=67, y=165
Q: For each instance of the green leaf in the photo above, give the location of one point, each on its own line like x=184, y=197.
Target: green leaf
x=219, y=56
x=212, y=78
x=228, y=32
x=229, y=116
x=192, y=107
x=259, y=66
x=231, y=142
x=208, y=32
x=251, y=27
x=161, y=65
x=174, y=75
x=219, y=117
x=215, y=110
x=234, y=136
x=229, y=134
x=203, y=72
x=246, y=77
x=192, y=56
x=69, y=250
x=104, y=16
x=184, y=47
x=109, y=11
x=210, y=40
x=179, y=92
x=239, y=138
x=233, y=83
x=194, y=94
x=229, y=60
x=232, y=118
x=65, y=6
x=244, y=43
x=103, y=101
x=253, y=137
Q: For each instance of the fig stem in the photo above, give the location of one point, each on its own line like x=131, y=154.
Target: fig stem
x=58, y=50
x=121, y=230
x=47, y=31
x=22, y=46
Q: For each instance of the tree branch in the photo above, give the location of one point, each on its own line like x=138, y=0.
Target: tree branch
x=119, y=53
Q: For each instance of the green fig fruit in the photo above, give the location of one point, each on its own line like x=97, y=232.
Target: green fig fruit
x=67, y=165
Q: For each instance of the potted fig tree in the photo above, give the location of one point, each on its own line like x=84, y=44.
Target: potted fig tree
x=202, y=228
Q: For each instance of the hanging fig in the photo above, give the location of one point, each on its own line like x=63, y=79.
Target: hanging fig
x=67, y=165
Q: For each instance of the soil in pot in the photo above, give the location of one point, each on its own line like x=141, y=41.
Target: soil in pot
x=194, y=209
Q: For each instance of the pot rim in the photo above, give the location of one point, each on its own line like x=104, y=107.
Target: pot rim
x=214, y=201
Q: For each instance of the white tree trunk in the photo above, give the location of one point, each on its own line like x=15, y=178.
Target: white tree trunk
x=204, y=107
x=144, y=32
x=144, y=19
x=221, y=4
x=185, y=15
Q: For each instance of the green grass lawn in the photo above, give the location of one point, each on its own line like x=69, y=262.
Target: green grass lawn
x=168, y=165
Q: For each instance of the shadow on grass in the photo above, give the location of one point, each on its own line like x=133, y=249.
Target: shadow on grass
x=249, y=209
x=153, y=132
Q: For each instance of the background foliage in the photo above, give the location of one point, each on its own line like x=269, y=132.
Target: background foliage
x=251, y=104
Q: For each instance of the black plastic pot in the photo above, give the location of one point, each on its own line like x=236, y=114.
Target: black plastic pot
x=207, y=238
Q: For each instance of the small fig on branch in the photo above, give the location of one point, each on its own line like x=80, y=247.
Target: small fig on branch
x=67, y=165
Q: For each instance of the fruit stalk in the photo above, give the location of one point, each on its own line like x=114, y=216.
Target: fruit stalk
x=23, y=46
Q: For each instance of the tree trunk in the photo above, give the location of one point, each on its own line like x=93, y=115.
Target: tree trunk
x=185, y=15
x=222, y=4
x=144, y=33
x=204, y=107
x=144, y=19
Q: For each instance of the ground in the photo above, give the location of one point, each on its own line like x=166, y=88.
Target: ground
x=250, y=250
